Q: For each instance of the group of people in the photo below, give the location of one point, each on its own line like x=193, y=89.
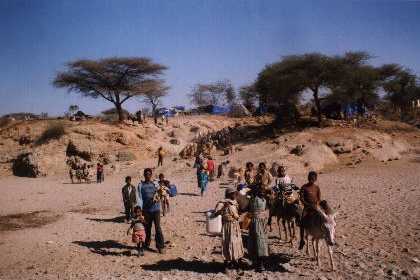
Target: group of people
x=83, y=172
x=143, y=206
x=261, y=194
x=205, y=167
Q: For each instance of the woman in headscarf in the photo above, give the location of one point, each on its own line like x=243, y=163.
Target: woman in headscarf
x=257, y=240
x=232, y=247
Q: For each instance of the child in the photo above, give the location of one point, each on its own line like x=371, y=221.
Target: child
x=232, y=247
x=139, y=234
x=310, y=196
x=161, y=154
x=129, y=198
x=99, y=173
x=162, y=194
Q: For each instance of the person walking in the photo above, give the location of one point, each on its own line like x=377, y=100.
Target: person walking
x=257, y=241
x=146, y=192
x=99, y=173
x=211, y=166
x=137, y=226
x=129, y=198
x=202, y=173
x=232, y=247
x=161, y=154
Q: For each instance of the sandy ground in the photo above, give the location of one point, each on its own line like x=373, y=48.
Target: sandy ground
x=50, y=229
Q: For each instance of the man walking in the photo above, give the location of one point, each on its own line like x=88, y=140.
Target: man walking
x=151, y=210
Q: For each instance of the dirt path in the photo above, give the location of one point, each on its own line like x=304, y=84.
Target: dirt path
x=53, y=230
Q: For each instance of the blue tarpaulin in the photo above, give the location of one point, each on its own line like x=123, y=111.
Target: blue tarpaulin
x=219, y=110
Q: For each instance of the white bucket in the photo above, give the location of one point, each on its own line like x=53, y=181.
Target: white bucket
x=243, y=199
x=214, y=224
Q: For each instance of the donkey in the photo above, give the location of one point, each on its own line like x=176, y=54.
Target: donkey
x=288, y=210
x=321, y=225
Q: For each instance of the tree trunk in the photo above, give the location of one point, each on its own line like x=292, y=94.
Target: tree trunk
x=317, y=105
x=154, y=114
x=118, y=107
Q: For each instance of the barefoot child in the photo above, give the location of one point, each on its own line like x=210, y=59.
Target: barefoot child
x=129, y=198
x=162, y=193
x=137, y=225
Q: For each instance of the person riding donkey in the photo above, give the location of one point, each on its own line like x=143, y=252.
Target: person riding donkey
x=310, y=196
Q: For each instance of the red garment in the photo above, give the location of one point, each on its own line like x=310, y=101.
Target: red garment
x=210, y=165
x=138, y=235
x=99, y=168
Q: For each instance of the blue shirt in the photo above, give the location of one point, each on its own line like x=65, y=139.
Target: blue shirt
x=146, y=192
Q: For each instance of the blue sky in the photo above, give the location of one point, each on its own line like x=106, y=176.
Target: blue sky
x=200, y=41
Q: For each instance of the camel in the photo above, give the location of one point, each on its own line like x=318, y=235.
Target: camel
x=321, y=225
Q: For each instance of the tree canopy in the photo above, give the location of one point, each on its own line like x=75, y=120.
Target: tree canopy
x=344, y=79
x=217, y=93
x=115, y=79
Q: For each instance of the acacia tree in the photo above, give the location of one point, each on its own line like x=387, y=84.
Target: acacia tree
x=115, y=79
x=401, y=89
x=354, y=80
x=276, y=85
x=152, y=93
x=218, y=93
x=73, y=109
x=249, y=96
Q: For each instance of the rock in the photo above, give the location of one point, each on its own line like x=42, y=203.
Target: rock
x=194, y=129
x=125, y=156
x=415, y=260
x=298, y=150
x=118, y=137
x=322, y=278
x=287, y=267
x=175, y=141
x=25, y=140
x=5, y=159
x=172, y=134
x=27, y=165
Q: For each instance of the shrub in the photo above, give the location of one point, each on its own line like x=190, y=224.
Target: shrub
x=73, y=151
x=53, y=131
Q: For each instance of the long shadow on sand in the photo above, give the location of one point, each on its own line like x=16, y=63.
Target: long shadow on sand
x=273, y=263
x=106, y=247
x=188, y=194
x=118, y=220
x=185, y=265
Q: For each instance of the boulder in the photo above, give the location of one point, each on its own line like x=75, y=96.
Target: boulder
x=340, y=146
x=175, y=141
x=298, y=150
x=27, y=165
x=118, y=137
x=172, y=134
x=125, y=156
x=25, y=140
